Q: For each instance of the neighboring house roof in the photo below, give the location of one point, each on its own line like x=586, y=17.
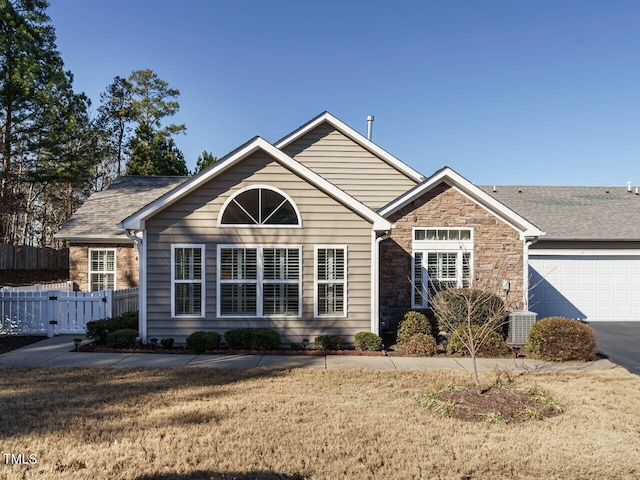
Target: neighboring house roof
x=135, y=221
x=354, y=135
x=96, y=220
x=575, y=213
x=450, y=177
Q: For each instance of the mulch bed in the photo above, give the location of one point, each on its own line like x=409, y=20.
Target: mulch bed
x=12, y=342
x=469, y=404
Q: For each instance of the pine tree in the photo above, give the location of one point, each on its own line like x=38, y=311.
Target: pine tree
x=205, y=159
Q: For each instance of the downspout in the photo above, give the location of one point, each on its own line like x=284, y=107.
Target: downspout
x=528, y=241
x=141, y=246
x=375, y=281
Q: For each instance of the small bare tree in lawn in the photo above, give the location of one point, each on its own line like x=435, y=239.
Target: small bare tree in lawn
x=474, y=314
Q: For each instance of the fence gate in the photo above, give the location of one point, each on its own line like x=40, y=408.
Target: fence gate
x=56, y=312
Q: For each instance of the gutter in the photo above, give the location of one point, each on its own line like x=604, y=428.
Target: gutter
x=525, y=271
x=375, y=280
x=141, y=246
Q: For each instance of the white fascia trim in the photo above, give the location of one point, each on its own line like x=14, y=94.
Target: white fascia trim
x=111, y=239
x=133, y=222
x=473, y=193
x=356, y=137
x=585, y=252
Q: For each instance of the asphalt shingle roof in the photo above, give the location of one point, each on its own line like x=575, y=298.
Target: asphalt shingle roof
x=102, y=211
x=575, y=213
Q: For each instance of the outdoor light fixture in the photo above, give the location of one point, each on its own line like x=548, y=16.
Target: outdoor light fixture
x=516, y=350
x=444, y=344
x=77, y=342
x=305, y=342
x=154, y=342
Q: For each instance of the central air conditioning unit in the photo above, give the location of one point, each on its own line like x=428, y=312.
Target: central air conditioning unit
x=519, y=324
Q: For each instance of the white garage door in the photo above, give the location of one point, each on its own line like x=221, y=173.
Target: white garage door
x=595, y=288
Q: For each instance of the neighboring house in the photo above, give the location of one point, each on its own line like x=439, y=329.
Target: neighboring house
x=322, y=232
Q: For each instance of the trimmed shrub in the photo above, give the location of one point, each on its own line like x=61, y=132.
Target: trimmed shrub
x=419, y=344
x=201, y=341
x=411, y=324
x=368, y=342
x=252, y=339
x=328, y=342
x=167, y=342
x=125, y=337
x=485, y=305
x=560, y=339
x=494, y=344
x=98, y=330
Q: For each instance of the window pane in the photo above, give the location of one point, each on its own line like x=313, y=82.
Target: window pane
x=420, y=234
x=234, y=215
x=102, y=281
x=188, y=298
x=281, y=264
x=280, y=299
x=418, y=279
x=238, y=299
x=260, y=206
x=238, y=264
x=188, y=263
x=331, y=264
x=330, y=299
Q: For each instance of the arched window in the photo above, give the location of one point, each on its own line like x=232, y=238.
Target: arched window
x=260, y=205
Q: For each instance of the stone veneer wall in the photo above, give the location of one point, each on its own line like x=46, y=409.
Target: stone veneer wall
x=126, y=265
x=497, y=253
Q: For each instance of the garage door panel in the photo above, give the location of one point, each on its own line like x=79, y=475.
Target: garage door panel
x=586, y=287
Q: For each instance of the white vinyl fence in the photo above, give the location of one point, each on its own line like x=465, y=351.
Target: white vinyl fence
x=53, y=312
x=40, y=287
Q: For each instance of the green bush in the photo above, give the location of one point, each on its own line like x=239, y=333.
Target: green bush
x=422, y=344
x=328, y=342
x=368, y=342
x=411, y=324
x=98, y=330
x=125, y=337
x=252, y=339
x=494, y=344
x=484, y=307
x=201, y=341
x=167, y=342
x=560, y=339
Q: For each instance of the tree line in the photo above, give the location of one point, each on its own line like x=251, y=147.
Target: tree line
x=54, y=150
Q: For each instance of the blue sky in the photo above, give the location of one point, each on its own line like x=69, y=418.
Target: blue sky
x=504, y=92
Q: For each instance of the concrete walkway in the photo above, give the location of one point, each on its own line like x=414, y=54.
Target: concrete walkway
x=58, y=352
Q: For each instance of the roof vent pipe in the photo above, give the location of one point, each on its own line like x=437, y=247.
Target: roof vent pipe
x=369, y=126
x=637, y=193
x=629, y=187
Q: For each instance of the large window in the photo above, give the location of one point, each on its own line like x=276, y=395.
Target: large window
x=187, y=281
x=259, y=281
x=259, y=206
x=331, y=281
x=102, y=269
x=442, y=258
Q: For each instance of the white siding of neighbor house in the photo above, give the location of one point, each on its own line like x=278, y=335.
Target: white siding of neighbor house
x=194, y=220
x=349, y=166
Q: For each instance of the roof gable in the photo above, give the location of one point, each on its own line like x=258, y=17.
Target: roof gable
x=137, y=219
x=356, y=137
x=450, y=177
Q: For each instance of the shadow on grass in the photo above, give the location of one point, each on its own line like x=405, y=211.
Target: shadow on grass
x=45, y=400
x=208, y=475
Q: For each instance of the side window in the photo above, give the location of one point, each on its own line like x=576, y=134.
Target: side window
x=331, y=281
x=102, y=269
x=187, y=280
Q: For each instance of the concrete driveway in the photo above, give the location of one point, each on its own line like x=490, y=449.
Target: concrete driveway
x=621, y=342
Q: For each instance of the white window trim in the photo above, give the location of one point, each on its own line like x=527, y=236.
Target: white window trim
x=202, y=280
x=253, y=225
x=425, y=247
x=316, y=281
x=259, y=280
x=115, y=266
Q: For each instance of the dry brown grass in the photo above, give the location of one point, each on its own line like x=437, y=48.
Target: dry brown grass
x=206, y=423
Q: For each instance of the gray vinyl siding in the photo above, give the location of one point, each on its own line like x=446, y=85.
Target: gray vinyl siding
x=350, y=167
x=193, y=220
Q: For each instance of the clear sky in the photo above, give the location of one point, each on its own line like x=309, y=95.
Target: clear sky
x=504, y=92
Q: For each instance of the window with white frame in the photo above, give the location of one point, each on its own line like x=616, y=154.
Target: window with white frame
x=102, y=269
x=442, y=258
x=187, y=281
x=259, y=281
x=331, y=281
x=259, y=206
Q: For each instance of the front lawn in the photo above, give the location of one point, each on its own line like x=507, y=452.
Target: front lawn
x=207, y=423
